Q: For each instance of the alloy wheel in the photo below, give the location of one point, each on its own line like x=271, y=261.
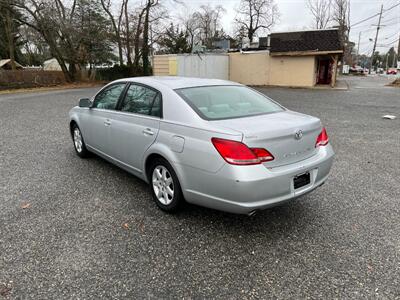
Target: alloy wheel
x=163, y=185
x=78, y=140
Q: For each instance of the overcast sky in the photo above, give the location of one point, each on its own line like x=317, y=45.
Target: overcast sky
x=294, y=15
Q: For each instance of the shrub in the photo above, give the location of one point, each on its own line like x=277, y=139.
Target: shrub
x=117, y=72
x=30, y=78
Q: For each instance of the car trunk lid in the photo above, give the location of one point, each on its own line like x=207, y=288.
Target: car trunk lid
x=289, y=136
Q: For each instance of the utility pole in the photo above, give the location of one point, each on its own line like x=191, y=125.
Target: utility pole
x=387, y=61
x=358, y=48
x=376, y=38
x=398, y=55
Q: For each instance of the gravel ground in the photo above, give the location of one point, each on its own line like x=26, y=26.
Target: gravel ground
x=73, y=228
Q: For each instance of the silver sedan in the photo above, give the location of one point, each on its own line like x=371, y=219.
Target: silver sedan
x=210, y=142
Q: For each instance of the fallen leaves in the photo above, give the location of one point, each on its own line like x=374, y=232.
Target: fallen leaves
x=5, y=289
x=25, y=205
x=140, y=225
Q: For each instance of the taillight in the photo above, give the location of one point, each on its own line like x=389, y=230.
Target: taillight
x=262, y=154
x=322, y=139
x=237, y=153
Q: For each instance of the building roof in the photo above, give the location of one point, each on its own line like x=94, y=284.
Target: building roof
x=326, y=40
x=5, y=62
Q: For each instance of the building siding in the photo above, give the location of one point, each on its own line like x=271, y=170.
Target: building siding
x=161, y=65
x=204, y=66
x=295, y=71
x=256, y=68
x=249, y=68
x=259, y=68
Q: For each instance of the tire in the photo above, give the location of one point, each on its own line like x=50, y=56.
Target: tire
x=79, y=143
x=163, y=180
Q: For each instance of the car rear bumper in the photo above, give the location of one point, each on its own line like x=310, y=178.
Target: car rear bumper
x=245, y=189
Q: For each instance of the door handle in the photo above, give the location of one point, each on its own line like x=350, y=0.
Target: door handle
x=148, y=131
x=107, y=122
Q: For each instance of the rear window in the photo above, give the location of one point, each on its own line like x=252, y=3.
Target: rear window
x=227, y=102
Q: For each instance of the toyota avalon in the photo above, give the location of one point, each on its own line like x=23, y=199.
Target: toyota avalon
x=210, y=142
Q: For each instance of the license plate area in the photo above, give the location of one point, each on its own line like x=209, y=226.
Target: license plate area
x=301, y=180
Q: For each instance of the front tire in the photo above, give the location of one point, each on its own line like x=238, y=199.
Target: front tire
x=164, y=186
x=79, y=143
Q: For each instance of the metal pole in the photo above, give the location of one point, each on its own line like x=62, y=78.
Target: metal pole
x=376, y=38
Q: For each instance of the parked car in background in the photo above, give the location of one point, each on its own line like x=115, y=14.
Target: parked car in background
x=214, y=143
x=392, y=71
x=356, y=69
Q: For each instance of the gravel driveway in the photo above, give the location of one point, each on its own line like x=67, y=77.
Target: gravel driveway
x=73, y=228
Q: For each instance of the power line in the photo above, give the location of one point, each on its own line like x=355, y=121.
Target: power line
x=377, y=14
x=395, y=23
x=362, y=21
x=389, y=44
x=396, y=18
x=393, y=6
x=389, y=37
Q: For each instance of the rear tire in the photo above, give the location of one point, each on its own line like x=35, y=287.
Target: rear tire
x=164, y=186
x=79, y=143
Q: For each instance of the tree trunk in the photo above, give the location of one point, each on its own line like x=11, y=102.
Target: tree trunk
x=128, y=36
x=136, y=41
x=121, y=59
x=69, y=77
x=116, y=31
x=250, y=34
x=10, y=39
x=145, y=46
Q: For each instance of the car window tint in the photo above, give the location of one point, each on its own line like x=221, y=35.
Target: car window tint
x=225, y=102
x=140, y=100
x=108, y=98
x=156, y=108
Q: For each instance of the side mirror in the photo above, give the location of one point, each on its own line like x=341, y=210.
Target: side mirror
x=85, y=102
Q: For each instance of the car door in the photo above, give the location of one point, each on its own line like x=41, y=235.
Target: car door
x=98, y=121
x=135, y=126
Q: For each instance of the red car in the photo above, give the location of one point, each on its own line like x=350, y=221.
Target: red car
x=391, y=72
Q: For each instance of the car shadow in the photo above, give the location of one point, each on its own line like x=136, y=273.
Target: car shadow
x=290, y=215
x=286, y=216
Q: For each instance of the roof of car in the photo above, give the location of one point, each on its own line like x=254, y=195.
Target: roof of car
x=176, y=82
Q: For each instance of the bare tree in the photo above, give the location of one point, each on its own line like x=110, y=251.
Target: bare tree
x=52, y=20
x=146, y=29
x=116, y=24
x=127, y=34
x=208, y=22
x=68, y=27
x=256, y=15
x=341, y=18
x=191, y=27
x=321, y=11
x=35, y=48
x=9, y=29
x=341, y=14
x=139, y=29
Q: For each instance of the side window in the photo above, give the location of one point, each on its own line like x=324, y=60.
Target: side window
x=108, y=98
x=142, y=100
x=156, y=108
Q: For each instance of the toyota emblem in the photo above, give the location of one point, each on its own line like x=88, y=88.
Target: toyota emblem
x=298, y=135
